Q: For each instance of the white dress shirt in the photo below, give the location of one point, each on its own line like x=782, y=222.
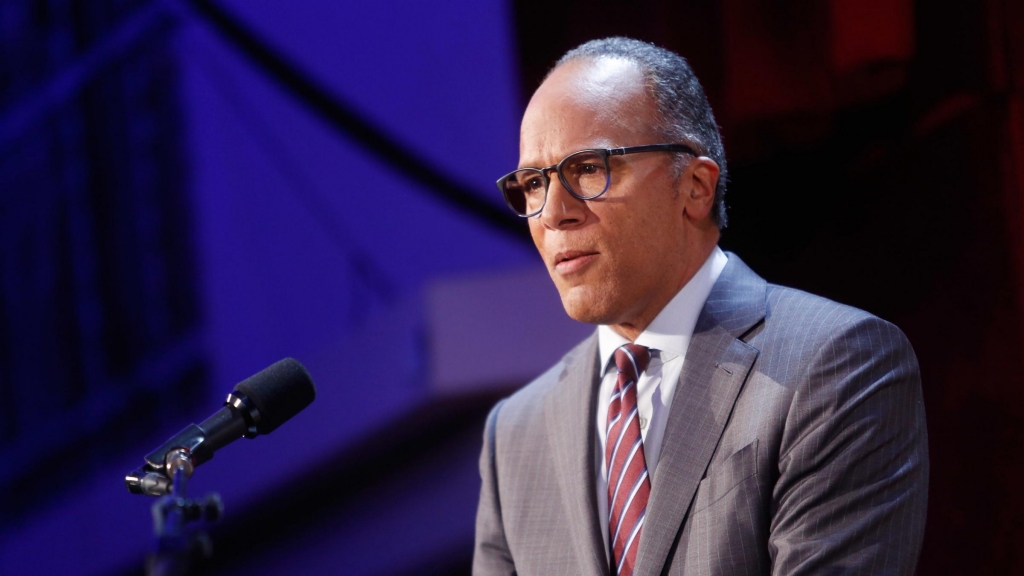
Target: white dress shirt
x=668, y=337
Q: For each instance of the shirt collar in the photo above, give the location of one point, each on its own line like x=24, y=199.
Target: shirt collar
x=670, y=331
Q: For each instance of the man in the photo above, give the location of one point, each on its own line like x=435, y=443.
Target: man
x=714, y=423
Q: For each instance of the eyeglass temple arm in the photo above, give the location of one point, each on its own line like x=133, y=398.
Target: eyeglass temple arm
x=652, y=148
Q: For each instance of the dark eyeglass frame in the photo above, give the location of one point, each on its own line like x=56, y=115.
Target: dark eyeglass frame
x=603, y=153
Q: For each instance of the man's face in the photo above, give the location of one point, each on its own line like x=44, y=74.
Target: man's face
x=620, y=258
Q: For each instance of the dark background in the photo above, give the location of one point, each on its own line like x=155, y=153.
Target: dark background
x=148, y=253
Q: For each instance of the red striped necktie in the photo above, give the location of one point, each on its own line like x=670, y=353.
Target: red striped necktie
x=628, y=483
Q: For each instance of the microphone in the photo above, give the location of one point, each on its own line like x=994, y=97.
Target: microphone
x=257, y=405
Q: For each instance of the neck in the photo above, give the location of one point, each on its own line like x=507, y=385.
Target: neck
x=699, y=254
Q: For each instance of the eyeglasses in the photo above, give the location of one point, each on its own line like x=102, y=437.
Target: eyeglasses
x=585, y=174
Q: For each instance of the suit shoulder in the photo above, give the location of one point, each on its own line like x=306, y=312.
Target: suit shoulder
x=817, y=317
x=811, y=330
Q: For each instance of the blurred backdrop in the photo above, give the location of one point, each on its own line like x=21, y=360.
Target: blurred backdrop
x=191, y=190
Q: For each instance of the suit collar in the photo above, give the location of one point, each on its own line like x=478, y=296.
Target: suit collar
x=737, y=301
x=716, y=367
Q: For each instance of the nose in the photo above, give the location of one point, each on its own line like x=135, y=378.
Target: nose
x=562, y=209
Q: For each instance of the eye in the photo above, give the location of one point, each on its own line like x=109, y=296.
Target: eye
x=583, y=164
x=587, y=170
x=534, y=184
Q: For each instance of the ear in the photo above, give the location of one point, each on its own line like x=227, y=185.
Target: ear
x=698, y=186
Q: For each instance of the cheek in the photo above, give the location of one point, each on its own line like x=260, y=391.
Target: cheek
x=634, y=247
x=537, y=234
x=646, y=250
x=661, y=230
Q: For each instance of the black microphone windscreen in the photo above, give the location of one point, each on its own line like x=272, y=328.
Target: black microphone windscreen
x=279, y=392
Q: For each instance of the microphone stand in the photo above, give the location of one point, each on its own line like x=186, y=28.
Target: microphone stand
x=257, y=405
x=178, y=545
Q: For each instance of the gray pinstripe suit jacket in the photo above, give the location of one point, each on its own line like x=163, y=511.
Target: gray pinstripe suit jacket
x=795, y=444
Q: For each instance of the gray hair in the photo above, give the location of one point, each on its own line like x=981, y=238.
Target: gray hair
x=684, y=113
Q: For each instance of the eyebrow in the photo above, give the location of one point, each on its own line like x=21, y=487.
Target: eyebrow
x=563, y=156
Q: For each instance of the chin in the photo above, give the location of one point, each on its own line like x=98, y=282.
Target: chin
x=584, y=305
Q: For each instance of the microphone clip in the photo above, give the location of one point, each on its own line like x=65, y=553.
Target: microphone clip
x=195, y=445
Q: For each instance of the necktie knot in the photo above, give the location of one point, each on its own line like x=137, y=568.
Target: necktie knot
x=632, y=360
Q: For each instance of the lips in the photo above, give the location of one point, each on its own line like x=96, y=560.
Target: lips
x=571, y=261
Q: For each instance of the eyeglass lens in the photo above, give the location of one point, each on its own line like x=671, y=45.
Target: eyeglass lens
x=584, y=173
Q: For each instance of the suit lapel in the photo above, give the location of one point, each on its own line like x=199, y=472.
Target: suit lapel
x=569, y=412
x=716, y=366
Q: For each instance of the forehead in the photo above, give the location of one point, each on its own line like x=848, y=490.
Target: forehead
x=586, y=103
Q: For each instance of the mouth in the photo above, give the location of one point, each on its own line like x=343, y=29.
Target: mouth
x=572, y=261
